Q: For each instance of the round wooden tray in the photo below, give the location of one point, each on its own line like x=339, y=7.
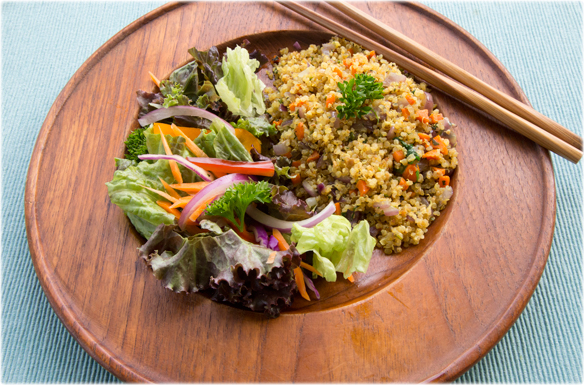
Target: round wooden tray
x=426, y=314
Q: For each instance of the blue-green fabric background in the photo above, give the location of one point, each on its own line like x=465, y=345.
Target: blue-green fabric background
x=43, y=44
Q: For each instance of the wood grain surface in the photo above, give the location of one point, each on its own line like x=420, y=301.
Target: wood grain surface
x=427, y=314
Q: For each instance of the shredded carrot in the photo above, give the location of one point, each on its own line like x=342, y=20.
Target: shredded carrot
x=398, y=155
x=338, y=72
x=438, y=143
x=422, y=116
x=277, y=122
x=296, y=163
x=370, y=54
x=410, y=172
x=161, y=128
x=354, y=191
x=406, y=113
x=351, y=279
x=182, y=202
x=403, y=183
x=245, y=235
x=435, y=118
x=338, y=208
x=300, y=131
x=172, y=163
x=154, y=79
x=310, y=268
x=351, y=51
x=424, y=136
x=162, y=194
x=299, y=278
x=434, y=154
x=362, y=187
x=190, y=144
x=347, y=62
x=281, y=241
x=444, y=181
x=166, y=206
x=330, y=100
x=292, y=107
x=190, y=187
x=410, y=99
x=272, y=258
x=440, y=171
x=315, y=155
x=169, y=189
x=201, y=209
x=353, y=70
x=248, y=140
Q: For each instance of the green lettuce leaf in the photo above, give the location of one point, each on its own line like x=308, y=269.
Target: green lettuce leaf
x=229, y=268
x=177, y=145
x=205, y=142
x=126, y=191
x=226, y=144
x=335, y=246
x=220, y=142
x=258, y=126
x=240, y=88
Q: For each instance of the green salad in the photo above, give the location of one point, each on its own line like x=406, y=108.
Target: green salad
x=200, y=181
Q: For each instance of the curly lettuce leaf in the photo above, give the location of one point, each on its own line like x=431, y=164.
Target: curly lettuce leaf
x=126, y=191
x=240, y=88
x=229, y=268
x=336, y=248
x=148, y=101
x=208, y=63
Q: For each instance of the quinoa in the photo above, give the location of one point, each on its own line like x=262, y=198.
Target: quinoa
x=362, y=152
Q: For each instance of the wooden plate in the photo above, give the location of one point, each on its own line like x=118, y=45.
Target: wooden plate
x=427, y=314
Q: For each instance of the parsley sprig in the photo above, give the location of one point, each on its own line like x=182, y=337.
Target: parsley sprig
x=136, y=144
x=355, y=92
x=237, y=198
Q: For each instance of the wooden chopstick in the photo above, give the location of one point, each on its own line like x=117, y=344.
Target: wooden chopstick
x=471, y=97
x=452, y=70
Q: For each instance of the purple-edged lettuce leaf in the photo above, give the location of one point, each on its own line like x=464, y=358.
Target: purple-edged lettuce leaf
x=229, y=268
x=208, y=63
x=287, y=206
x=148, y=101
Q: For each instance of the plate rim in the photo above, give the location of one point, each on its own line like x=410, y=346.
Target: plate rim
x=125, y=372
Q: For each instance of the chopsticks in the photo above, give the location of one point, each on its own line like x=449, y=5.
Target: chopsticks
x=457, y=73
x=538, y=134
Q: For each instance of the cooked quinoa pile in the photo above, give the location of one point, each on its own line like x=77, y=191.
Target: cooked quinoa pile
x=391, y=166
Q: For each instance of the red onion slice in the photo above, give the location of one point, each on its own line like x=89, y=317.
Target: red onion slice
x=182, y=161
x=302, y=113
x=388, y=210
x=391, y=133
x=286, y=226
x=429, y=103
x=393, y=77
x=327, y=48
x=308, y=188
x=310, y=285
x=163, y=113
x=281, y=149
x=296, y=45
x=215, y=188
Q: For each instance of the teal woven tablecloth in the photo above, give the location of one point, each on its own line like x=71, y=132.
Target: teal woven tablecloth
x=43, y=44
